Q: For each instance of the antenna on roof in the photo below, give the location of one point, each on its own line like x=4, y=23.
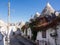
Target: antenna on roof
x=8, y=21
x=8, y=11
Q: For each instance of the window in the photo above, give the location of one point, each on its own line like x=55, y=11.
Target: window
x=44, y=34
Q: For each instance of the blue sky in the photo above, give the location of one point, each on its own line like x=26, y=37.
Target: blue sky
x=23, y=9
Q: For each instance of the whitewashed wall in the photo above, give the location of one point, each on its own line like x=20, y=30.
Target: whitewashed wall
x=58, y=38
x=29, y=32
x=49, y=39
x=39, y=36
x=11, y=30
x=3, y=31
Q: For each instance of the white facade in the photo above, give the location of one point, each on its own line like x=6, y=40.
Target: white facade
x=4, y=31
x=58, y=38
x=29, y=32
x=50, y=40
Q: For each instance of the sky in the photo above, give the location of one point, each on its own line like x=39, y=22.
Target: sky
x=21, y=10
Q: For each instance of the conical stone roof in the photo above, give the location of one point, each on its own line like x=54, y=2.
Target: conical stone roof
x=47, y=10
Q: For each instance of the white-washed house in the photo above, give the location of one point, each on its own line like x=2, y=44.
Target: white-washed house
x=3, y=32
x=47, y=26
x=43, y=36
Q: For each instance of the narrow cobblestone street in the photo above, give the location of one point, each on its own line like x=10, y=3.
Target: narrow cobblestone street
x=19, y=40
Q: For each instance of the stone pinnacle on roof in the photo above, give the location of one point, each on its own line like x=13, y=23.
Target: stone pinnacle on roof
x=48, y=4
x=37, y=14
